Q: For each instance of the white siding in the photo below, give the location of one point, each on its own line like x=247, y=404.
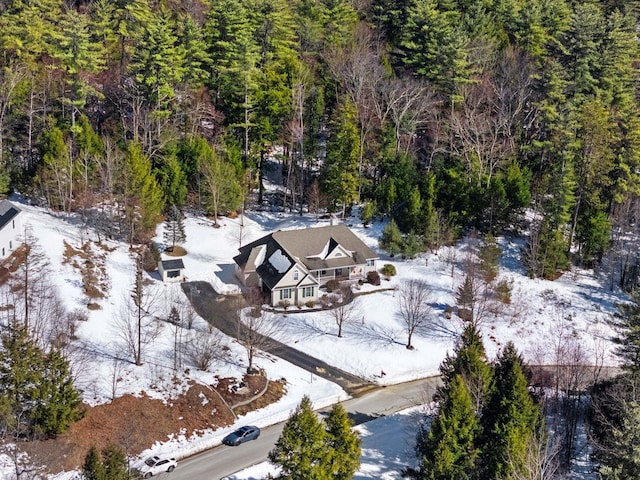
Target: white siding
x=10, y=236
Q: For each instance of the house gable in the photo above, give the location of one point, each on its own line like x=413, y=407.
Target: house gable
x=297, y=275
x=339, y=252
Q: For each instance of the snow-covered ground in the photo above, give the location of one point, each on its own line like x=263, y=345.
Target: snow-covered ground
x=373, y=343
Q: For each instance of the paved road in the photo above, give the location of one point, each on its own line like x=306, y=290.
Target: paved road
x=219, y=310
x=223, y=461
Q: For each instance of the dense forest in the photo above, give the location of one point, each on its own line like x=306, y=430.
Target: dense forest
x=445, y=116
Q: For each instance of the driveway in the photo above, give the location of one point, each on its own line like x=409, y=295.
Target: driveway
x=219, y=311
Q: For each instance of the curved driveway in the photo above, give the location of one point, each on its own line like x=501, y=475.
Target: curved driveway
x=219, y=311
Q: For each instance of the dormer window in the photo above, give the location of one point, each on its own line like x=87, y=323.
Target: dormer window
x=296, y=274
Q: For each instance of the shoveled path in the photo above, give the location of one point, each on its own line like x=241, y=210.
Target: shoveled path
x=219, y=311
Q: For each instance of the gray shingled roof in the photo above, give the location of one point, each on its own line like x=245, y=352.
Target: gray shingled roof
x=172, y=265
x=307, y=242
x=300, y=245
x=8, y=211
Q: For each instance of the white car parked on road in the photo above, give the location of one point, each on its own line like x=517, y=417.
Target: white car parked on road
x=155, y=465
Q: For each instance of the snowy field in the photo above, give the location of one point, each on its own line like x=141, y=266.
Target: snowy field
x=540, y=315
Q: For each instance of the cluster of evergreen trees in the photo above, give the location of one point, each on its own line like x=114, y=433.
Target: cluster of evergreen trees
x=315, y=449
x=442, y=115
x=614, y=410
x=109, y=464
x=488, y=425
x=37, y=397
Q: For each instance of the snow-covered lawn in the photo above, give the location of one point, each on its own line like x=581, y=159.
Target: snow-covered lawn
x=373, y=343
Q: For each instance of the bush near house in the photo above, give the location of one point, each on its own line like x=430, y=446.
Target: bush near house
x=332, y=285
x=388, y=270
x=373, y=278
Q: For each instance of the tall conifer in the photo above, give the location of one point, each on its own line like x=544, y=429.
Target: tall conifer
x=301, y=450
x=343, y=443
x=510, y=419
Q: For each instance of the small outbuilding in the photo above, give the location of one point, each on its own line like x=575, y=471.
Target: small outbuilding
x=171, y=270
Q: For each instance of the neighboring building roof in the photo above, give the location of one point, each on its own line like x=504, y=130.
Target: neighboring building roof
x=315, y=248
x=172, y=265
x=8, y=211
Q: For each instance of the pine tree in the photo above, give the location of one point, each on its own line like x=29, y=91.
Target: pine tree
x=449, y=449
x=145, y=200
x=627, y=326
x=57, y=399
x=173, y=180
x=93, y=468
x=510, y=420
x=174, y=233
x=489, y=255
x=343, y=444
x=340, y=178
x=79, y=55
x=391, y=239
x=469, y=360
x=466, y=298
x=115, y=463
x=20, y=372
x=36, y=389
x=623, y=461
x=301, y=450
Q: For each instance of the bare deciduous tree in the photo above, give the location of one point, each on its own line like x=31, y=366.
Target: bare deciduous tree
x=344, y=307
x=540, y=460
x=23, y=466
x=414, y=302
x=30, y=281
x=204, y=348
x=136, y=323
x=255, y=327
x=315, y=199
x=409, y=104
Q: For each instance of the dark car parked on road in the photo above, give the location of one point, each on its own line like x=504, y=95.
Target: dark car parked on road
x=243, y=434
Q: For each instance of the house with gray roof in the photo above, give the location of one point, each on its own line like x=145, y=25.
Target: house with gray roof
x=10, y=228
x=290, y=266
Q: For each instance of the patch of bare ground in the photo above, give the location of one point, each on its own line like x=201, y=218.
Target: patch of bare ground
x=175, y=251
x=136, y=423
x=89, y=259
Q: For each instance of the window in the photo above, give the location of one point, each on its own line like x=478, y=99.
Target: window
x=296, y=274
x=307, y=292
x=13, y=223
x=338, y=254
x=3, y=252
x=323, y=272
x=10, y=245
x=338, y=272
x=173, y=273
x=285, y=294
x=371, y=262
